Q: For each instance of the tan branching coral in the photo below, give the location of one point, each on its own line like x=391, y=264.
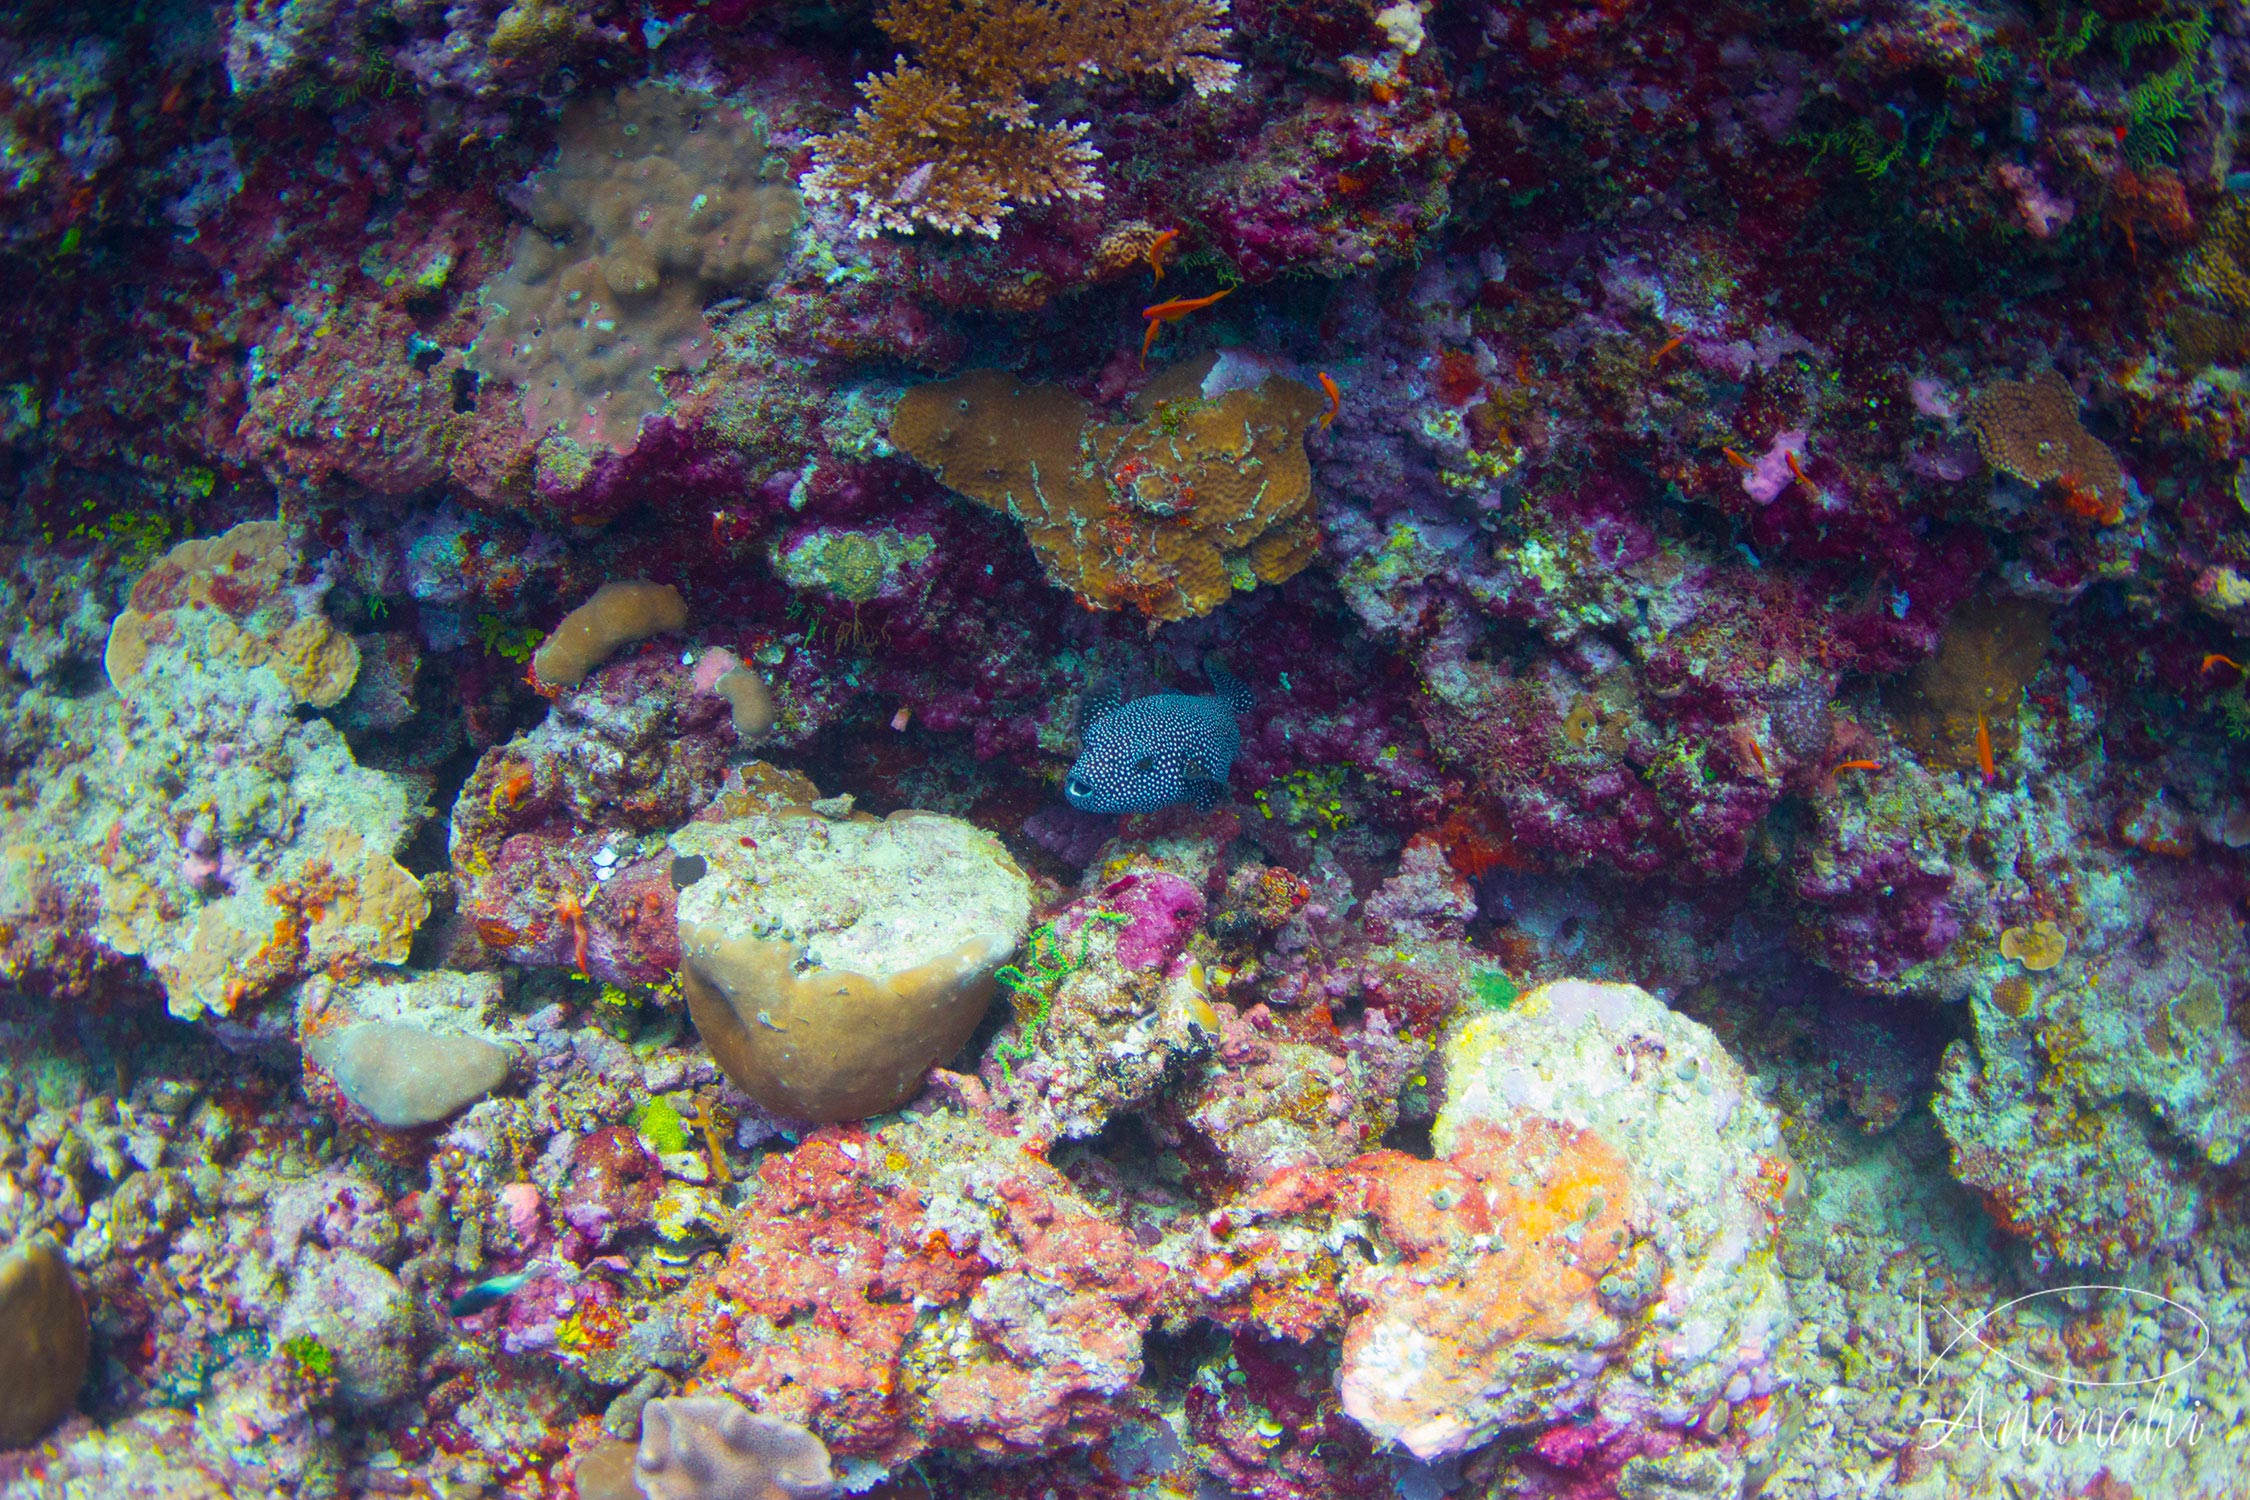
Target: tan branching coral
x=658, y=200
x=949, y=140
x=2030, y=428
x=1168, y=515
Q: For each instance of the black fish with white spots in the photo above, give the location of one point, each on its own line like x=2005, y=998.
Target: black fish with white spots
x=1152, y=752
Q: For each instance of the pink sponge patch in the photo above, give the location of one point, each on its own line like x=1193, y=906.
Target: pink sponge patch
x=1165, y=910
x=713, y=665
x=1770, y=475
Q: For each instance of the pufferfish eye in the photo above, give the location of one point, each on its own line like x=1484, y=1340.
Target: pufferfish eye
x=1145, y=764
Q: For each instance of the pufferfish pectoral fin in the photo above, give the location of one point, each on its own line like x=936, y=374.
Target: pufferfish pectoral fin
x=1102, y=699
x=1200, y=787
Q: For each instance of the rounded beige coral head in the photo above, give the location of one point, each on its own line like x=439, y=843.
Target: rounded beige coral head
x=829, y=964
x=44, y=1341
x=714, y=1448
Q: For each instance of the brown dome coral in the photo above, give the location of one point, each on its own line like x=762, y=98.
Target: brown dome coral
x=657, y=201
x=2030, y=428
x=1168, y=515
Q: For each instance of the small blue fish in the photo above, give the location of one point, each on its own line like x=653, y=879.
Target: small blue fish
x=1155, y=751
x=487, y=1294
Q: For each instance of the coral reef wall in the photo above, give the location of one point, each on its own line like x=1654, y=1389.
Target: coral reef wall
x=1719, y=964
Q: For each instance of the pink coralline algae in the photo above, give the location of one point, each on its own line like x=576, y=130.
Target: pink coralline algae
x=1024, y=1309
x=1160, y=910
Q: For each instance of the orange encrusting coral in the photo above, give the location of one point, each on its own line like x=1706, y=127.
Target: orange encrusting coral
x=1168, y=515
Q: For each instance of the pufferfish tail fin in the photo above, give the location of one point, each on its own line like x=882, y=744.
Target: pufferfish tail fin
x=1231, y=689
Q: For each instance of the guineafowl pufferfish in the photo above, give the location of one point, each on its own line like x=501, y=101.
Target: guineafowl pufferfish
x=1155, y=751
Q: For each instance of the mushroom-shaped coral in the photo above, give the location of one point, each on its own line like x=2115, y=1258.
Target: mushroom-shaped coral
x=829, y=964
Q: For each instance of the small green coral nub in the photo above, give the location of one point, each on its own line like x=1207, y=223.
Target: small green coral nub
x=660, y=1124
x=1495, y=990
x=311, y=1357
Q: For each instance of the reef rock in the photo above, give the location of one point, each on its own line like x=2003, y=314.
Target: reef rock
x=1590, y=1253
x=192, y=817
x=1658, y=1174
x=829, y=964
x=930, y=1284
x=558, y=837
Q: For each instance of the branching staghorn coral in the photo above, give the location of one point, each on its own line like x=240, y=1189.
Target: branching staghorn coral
x=949, y=140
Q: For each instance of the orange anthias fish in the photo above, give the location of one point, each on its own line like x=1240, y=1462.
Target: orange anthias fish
x=1737, y=459
x=2215, y=659
x=1335, y=399
x=1798, y=470
x=1984, y=749
x=1159, y=249
x=1668, y=346
x=1171, y=312
x=1859, y=765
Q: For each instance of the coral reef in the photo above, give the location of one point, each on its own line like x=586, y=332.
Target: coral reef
x=1697, y=948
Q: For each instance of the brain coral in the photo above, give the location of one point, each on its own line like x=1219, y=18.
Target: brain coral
x=1168, y=515
x=657, y=200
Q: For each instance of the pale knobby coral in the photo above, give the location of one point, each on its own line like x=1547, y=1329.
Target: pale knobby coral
x=657, y=200
x=949, y=140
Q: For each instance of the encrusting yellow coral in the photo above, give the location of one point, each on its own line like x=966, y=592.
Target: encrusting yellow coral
x=225, y=596
x=1169, y=515
x=949, y=141
x=2038, y=947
